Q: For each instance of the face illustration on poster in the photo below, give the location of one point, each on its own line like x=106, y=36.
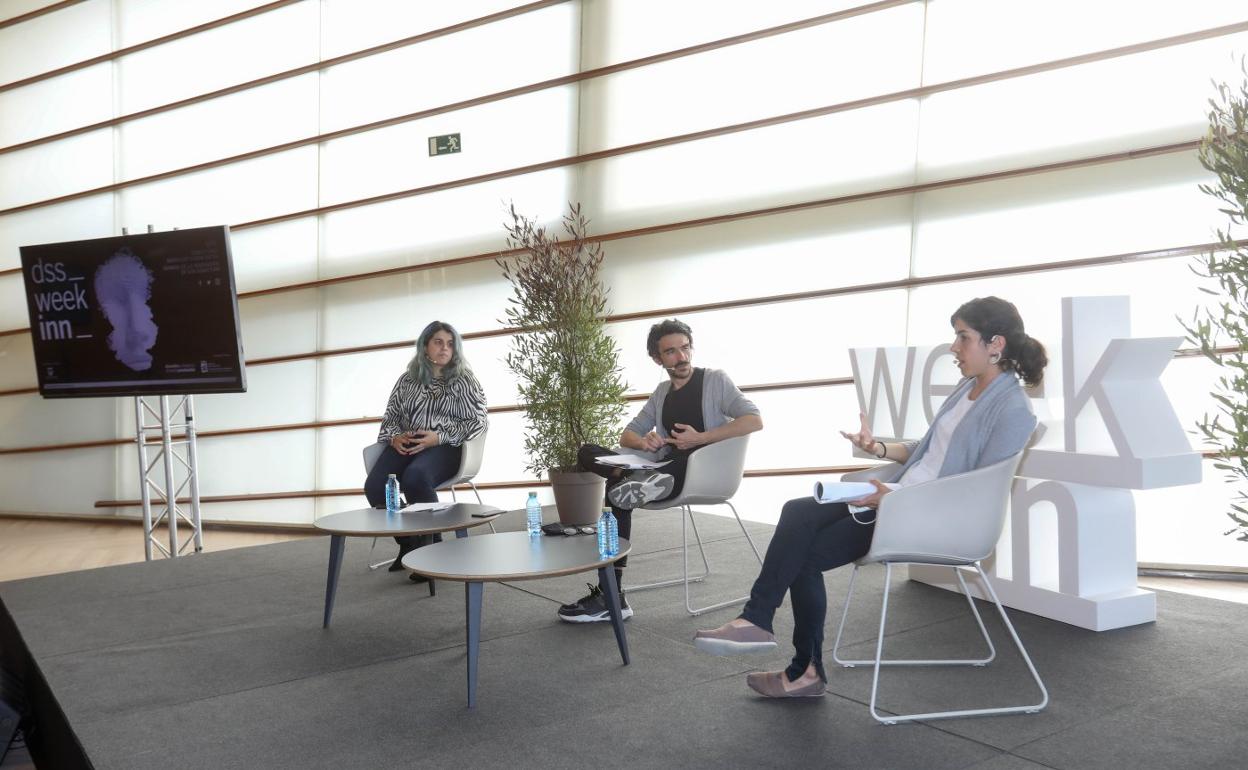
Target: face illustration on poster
x=123, y=285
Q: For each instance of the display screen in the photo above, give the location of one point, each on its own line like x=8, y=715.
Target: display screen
x=150, y=314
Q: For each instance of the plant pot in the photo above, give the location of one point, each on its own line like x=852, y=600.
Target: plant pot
x=578, y=496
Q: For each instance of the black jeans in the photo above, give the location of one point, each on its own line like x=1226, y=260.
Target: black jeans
x=810, y=539
x=587, y=460
x=419, y=476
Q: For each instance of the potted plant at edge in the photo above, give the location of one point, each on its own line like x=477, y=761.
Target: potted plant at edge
x=566, y=366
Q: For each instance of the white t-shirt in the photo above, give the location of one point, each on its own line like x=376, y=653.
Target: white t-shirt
x=928, y=467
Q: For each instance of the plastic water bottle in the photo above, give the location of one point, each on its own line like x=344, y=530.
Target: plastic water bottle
x=392, y=494
x=533, y=512
x=613, y=534
x=608, y=534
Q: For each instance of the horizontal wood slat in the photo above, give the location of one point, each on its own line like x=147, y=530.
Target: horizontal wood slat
x=12, y=20
x=156, y=41
x=463, y=104
x=909, y=93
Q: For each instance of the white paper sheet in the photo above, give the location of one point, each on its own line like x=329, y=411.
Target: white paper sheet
x=436, y=506
x=841, y=491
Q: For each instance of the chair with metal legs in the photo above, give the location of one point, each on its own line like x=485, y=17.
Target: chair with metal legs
x=954, y=521
x=711, y=478
x=469, y=467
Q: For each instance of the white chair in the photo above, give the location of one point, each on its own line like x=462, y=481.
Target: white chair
x=953, y=521
x=711, y=478
x=469, y=467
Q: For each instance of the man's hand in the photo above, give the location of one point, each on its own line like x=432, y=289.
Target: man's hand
x=873, y=500
x=685, y=437
x=652, y=442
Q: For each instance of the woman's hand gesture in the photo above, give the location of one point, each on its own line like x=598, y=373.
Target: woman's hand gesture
x=863, y=438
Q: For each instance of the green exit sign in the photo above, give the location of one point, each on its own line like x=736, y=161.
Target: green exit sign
x=444, y=145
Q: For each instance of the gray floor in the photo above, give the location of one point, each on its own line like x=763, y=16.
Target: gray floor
x=219, y=661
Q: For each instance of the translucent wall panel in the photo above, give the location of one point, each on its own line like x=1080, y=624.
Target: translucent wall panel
x=1138, y=205
x=241, y=192
x=14, y=8
x=142, y=20
x=517, y=132
x=972, y=37
x=353, y=25
x=1133, y=102
x=13, y=314
x=805, y=340
x=619, y=30
x=284, y=461
x=341, y=461
x=18, y=370
x=1187, y=526
x=28, y=479
x=261, y=45
x=442, y=225
x=359, y=384
x=839, y=154
x=230, y=125
x=469, y=297
x=83, y=218
x=1160, y=290
x=859, y=57
x=54, y=40
x=821, y=248
x=30, y=420
x=277, y=394
x=279, y=254
x=79, y=98
x=280, y=324
x=47, y=171
x=537, y=46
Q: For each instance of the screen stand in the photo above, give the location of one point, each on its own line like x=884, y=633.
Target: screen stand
x=168, y=491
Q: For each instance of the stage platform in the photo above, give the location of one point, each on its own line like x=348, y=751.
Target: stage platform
x=219, y=661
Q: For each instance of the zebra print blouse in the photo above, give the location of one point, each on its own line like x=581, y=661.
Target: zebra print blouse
x=454, y=410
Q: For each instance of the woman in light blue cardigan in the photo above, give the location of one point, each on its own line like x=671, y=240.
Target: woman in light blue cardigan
x=986, y=419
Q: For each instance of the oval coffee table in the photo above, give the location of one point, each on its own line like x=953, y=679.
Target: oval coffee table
x=376, y=522
x=516, y=556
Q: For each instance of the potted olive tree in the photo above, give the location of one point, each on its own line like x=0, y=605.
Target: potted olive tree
x=571, y=390
x=1221, y=330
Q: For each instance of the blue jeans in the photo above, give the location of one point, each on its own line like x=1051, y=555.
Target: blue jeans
x=419, y=476
x=810, y=539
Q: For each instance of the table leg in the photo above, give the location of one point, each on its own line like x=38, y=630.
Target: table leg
x=606, y=576
x=433, y=589
x=336, y=543
x=472, y=607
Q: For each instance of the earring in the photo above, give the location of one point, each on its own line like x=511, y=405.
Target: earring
x=994, y=358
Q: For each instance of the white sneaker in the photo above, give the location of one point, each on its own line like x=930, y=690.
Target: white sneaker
x=641, y=487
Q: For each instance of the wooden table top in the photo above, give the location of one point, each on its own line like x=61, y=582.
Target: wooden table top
x=510, y=556
x=366, y=522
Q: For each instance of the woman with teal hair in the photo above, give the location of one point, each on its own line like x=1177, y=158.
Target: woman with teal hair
x=436, y=405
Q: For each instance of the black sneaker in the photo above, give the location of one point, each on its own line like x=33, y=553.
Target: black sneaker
x=593, y=608
x=641, y=487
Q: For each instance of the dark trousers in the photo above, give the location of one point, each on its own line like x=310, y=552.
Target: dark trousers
x=809, y=540
x=419, y=476
x=587, y=460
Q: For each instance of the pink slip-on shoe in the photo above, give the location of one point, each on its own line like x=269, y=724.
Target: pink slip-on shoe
x=731, y=640
x=770, y=684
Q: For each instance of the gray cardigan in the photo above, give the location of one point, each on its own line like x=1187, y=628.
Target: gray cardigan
x=997, y=426
x=721, y=401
